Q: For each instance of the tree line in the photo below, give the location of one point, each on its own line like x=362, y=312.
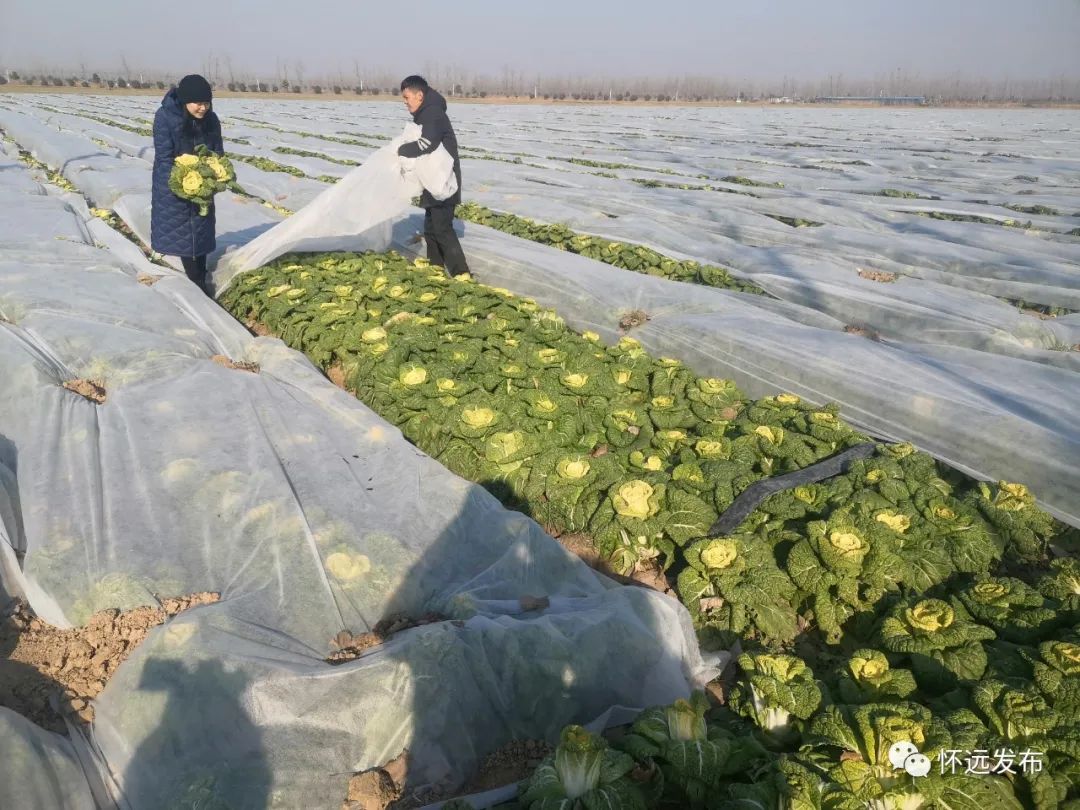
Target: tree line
x=517, y=85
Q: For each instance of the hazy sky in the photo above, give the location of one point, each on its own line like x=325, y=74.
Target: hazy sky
x=743, y=39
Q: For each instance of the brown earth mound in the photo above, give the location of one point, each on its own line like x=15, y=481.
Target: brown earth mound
x=238, y=365
x=39, y=661
x=348, y=647
x=93, y=391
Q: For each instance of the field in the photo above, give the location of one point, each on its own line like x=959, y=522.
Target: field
x=803, y=381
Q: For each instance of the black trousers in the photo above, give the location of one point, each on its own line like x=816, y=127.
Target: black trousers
x=443, y=247
x=195, y=267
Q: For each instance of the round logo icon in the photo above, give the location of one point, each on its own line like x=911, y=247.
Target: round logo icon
x=917, y=765
x=899, y=752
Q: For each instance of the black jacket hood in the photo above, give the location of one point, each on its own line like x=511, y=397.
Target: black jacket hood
x=432, y=98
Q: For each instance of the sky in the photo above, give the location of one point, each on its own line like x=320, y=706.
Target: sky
x=755, y=39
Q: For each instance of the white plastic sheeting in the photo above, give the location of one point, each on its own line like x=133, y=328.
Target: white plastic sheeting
x=962, y=373
x=959, y=372
x=39, y=770
x=355, y=214
x=976, y=163
x=310, y=515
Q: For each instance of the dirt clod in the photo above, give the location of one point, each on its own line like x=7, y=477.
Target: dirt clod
x=337, y=375
x=238, y=365
x=148, y=279
x=717, y=694
x=647, y=574
x=371, y=790
x=881, y=276
x=633, y=319
x=379, y=788
x=531, y=603
x=862, y=331
x=511, y=763
x=711, y=603
x=256, y=328
x=348, y=647
x=398, y=769
x=38, y=660
x=93, y=391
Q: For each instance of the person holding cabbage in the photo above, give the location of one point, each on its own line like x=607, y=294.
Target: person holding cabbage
x=189, y=167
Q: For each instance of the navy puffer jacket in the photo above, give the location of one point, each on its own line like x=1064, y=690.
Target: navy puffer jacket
x=176, y=229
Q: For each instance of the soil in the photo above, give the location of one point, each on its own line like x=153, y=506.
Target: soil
x=380, y=788
x=513, y=762
x=862, y=331
x=40, y=661
x=384, y=788
x=238, y=365
x=93, y=391
x=648, y=574
x=882, y=276
x=633, y=319
x=337, y=375
x=371, y=790
x=349, y=647
x=147, y=279
x=256, y=328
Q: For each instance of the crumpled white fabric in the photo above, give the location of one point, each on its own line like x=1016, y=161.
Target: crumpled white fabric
x=434, y=172
x=356, y=213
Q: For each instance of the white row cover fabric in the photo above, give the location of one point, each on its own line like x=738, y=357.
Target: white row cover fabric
x=356, y=213
x=958, y=372
x=433, y=172
x=832, y=174
x=39, y=770
x=309, y=515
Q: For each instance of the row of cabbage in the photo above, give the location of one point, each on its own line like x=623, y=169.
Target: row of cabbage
x=859, y=734
x=922, y=586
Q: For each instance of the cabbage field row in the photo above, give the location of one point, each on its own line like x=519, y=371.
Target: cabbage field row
x=896, y=559
x=622, y=376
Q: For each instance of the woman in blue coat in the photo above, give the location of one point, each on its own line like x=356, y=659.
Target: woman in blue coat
x=183, y=121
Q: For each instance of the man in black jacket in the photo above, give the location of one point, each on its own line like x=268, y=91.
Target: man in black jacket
x=428, y=109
